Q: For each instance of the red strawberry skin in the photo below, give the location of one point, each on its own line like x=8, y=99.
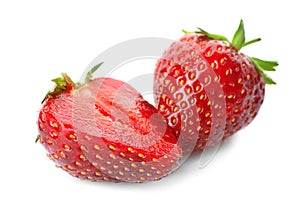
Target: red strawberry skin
x=111, y=133
x=214, y=79
x=57, y=134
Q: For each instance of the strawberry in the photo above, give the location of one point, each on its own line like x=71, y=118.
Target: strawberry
x=208, y=89
x=105, y=130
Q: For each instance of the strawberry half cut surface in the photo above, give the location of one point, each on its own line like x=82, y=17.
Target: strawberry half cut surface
x=208, y=89
x=105, y=130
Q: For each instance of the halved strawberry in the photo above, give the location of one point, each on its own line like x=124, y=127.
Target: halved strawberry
x=207, y=88
x=105, y=130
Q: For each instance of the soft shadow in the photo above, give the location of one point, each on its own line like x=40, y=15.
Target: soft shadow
x=193, y=164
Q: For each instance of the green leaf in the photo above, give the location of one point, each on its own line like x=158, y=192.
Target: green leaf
x=238, y=39
x=251, y=41
x=187, y=32
x=65, y=82
x=265, y=65
x=61, y=84
x=268, y=80
x=37, y=139
x=89, y=75
x=212, y=36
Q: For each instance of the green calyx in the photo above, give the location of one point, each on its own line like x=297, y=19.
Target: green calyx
x=89, y=74
x=262, y=65
x=61, y=84
x=239, y=41
x=64, y=82
x=37, y=139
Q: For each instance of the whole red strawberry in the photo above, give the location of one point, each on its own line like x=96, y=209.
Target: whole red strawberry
x=207, y=88
x=105, y=130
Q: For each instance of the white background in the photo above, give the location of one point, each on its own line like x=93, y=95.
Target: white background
x=256, y=174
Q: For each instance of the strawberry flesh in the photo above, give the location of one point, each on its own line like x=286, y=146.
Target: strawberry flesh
x=105, y=130
x=130, y=140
